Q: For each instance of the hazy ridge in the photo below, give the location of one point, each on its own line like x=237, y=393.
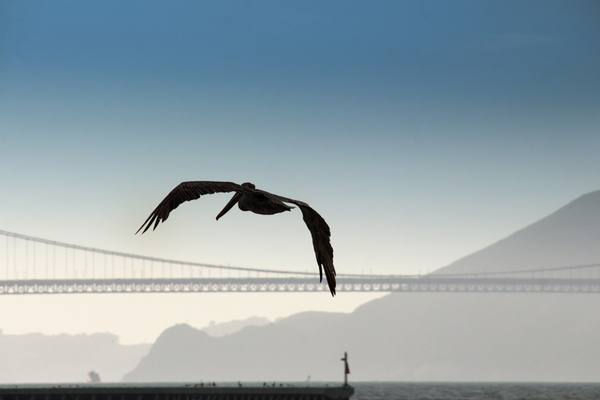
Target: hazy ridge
x=36, y=357
x=422, y=336
x=568, y=237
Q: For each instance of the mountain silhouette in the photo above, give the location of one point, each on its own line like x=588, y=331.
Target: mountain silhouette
x=421, y=336
x=567, y=237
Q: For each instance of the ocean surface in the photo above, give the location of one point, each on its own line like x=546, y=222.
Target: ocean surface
x=474, y=391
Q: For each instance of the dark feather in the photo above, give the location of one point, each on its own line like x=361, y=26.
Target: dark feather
x=186, y=191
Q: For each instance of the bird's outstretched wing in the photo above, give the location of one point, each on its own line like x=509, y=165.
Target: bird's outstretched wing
x=321, y=235
x=183, y=192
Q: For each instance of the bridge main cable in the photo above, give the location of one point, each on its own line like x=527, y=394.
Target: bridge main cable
x=296, y=273
x=148, y=258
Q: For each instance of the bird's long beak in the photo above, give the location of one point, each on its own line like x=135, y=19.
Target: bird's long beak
x=236, y=197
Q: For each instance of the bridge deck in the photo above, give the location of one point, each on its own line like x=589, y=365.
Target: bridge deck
x=258, y=285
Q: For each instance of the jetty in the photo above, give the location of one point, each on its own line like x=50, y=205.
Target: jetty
x=172, y=392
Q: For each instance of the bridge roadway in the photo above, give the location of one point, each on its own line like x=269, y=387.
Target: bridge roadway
x=426, y=283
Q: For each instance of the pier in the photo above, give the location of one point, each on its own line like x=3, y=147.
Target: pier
x=172, y=392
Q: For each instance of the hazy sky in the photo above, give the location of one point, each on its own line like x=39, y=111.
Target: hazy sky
x=420, y=130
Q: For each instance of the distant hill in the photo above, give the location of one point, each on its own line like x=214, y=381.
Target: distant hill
x=406, y=337
x=568, y=237
x=421, y=336
x=36, y=358
x=227, y=328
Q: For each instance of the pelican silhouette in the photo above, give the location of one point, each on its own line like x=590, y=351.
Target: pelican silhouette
x=248, y=198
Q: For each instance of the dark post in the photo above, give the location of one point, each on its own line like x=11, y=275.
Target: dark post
x=346, y=368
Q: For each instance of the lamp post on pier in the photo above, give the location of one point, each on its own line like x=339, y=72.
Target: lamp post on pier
x=346, y=368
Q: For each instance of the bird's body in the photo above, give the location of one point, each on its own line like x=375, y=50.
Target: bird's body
x=248, y=198
x=261, y=205
x=259, y=202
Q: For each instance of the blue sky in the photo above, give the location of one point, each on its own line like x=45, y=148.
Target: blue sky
x=421, y=130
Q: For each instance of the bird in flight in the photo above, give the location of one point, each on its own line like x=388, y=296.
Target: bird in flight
x=248, y=198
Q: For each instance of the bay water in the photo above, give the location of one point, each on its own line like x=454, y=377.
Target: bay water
x=474, y=391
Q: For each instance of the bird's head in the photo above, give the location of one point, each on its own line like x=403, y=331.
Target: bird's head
x=249, y=185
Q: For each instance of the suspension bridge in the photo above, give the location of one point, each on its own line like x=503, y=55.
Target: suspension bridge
x=31, y=265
